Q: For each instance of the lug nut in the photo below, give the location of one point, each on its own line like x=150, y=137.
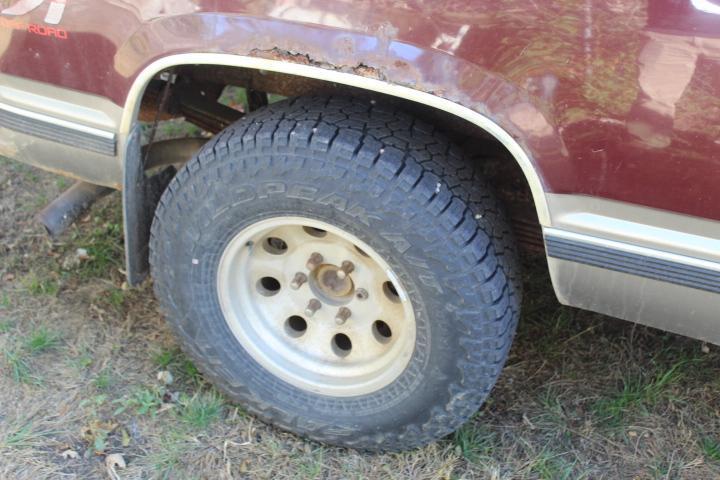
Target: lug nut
x=312, y=307
x=314, y=261
x=361, y=294
x=345, y=269
x=298, y=280
x=342, y=315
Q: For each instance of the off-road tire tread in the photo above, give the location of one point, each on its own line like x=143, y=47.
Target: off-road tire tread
x=404, y=155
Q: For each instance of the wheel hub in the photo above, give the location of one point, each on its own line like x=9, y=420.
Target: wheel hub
x=316, y=306
x=330, y=286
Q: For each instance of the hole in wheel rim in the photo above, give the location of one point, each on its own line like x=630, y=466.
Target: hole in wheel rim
x=341, y=345
x=295, y=326
x=381, y=331
x=391, y=292
x=275, y=245
x=315, y=232
x=361, y=251
x=268, y=286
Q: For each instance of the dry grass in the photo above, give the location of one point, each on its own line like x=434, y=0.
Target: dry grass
x=583, y=396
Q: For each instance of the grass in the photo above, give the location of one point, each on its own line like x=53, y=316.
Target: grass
x=104, y=246
x=37, y=285
x=143, y=401
x=27, y=435
x=638, y=393
x=19, y=367
x=6, y=326
x=167, y=458
x=103, y=380
x=475, y=442
x=553, y=466
x=175, y=360
x=166, y=358
x=41, y=340
x=710, y=449
x=17, y=359
x=201, y=410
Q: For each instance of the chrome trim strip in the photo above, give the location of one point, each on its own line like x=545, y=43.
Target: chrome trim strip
x=632, y=248
x=59, y=122
x=634, y=260
x=132, y=103
x=57, y=130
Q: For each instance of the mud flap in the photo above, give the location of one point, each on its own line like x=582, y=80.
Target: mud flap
x=141, y=195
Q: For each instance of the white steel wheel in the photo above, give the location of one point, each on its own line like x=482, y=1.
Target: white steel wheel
x=316, y=306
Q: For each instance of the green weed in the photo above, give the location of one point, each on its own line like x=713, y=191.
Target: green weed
x=475, y=443
x=41, y=286
x=18, y=366
x=710, y=448
x=41, y=340
x=200, y=410
x=142, y=401
x=637, y=393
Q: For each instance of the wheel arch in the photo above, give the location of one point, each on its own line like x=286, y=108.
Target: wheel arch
x=129, y=146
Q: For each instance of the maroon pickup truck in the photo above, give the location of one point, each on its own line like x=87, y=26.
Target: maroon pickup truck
x=343, y=261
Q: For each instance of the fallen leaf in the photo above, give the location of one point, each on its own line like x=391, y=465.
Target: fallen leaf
x=96, y=433
x=165, y=377
x=113, y=462
x=125, y=438
x=70, y=454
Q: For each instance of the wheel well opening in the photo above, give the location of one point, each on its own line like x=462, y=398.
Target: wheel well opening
x=200, y=100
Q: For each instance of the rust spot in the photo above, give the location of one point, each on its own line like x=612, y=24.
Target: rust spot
x=283, y=55
x=367, y=71
x=305, y=59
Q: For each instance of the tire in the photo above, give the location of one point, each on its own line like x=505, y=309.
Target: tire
x=397, y=186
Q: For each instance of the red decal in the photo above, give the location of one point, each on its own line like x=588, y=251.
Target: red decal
x=35, y=29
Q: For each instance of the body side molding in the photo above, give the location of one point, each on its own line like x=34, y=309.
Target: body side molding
x=57, y=130
x=632, y=259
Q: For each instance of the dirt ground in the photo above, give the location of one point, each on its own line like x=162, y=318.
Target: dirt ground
x=84, y=362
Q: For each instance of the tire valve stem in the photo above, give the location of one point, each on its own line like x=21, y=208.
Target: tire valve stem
x=314, y=261
x=345, y=269
x=312, y=307
x=342, y=315
x=298, y=280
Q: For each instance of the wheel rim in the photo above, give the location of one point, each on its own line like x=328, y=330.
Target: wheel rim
x=316, y=306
